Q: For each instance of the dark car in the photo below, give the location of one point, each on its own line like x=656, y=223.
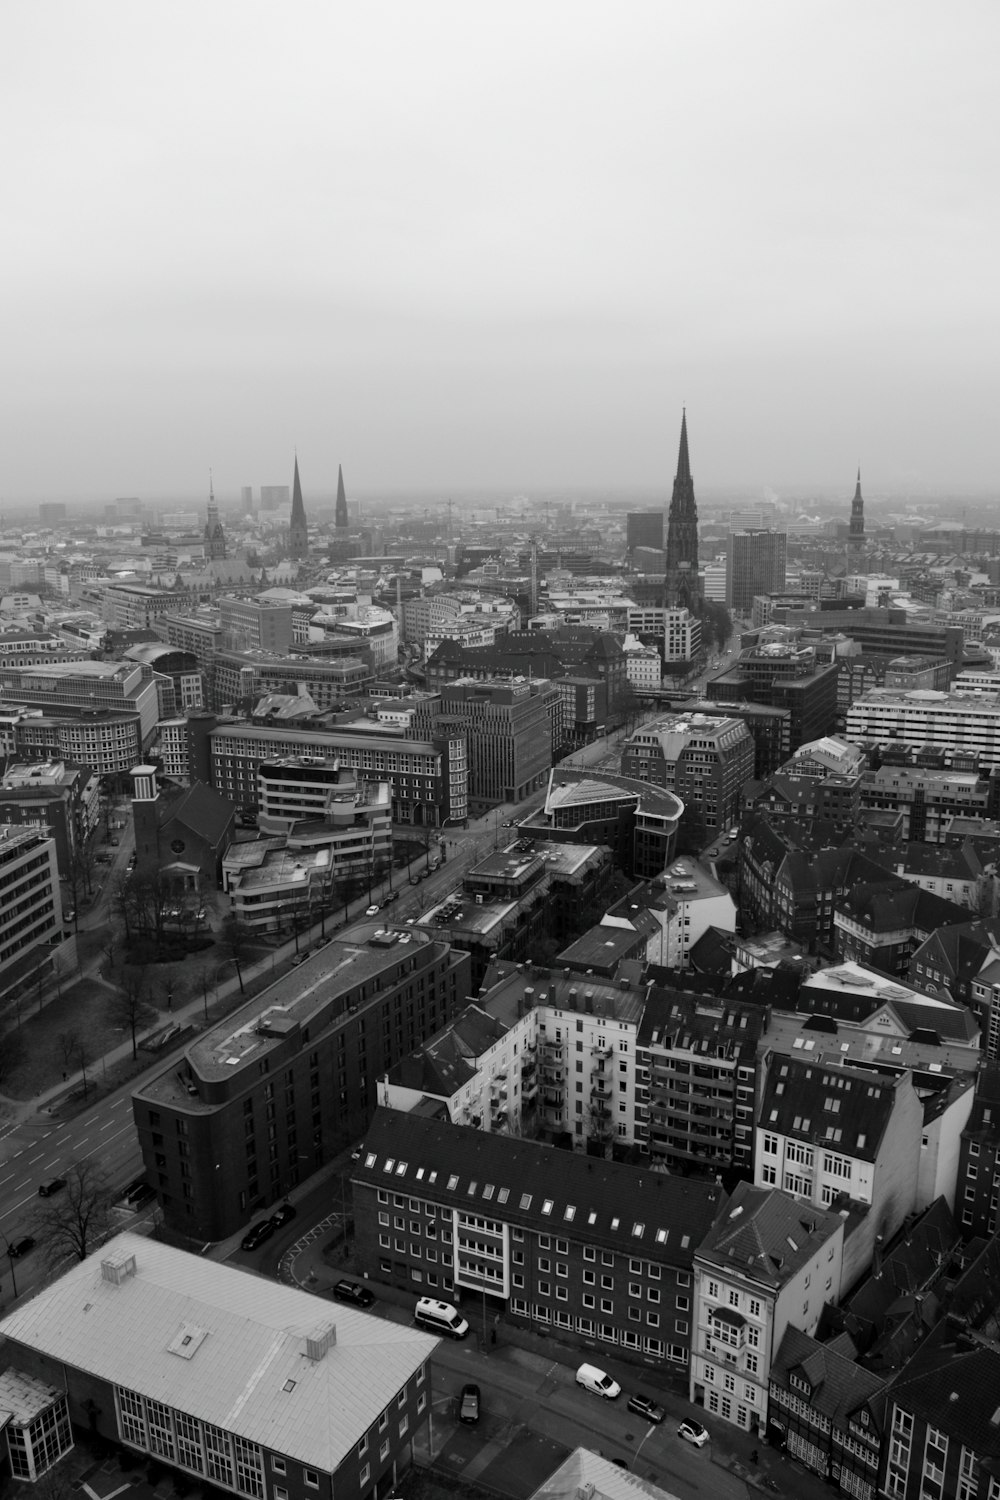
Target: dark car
x=283, y=1215
x=138, y=1192
x=21, y=1247
x=390, y=898
x=257, y=1235
x=468, y=1410
x=415, y=879
x=353, y=1291
x=48, y=1188
x=645, y=1406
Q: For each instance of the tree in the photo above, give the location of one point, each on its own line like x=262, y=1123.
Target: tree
x=13, y=1051
x=76, y=1219
x=130, y=1002
x=236, y=936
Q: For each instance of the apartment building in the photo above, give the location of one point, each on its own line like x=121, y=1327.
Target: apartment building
x=929, y=799
x=597, y=1252
x=276, y=1396
x=832, y=1135
x=769, y=1262
x=702, y=759
x=63, y=800
x=696, y=1068
x=281, y=1085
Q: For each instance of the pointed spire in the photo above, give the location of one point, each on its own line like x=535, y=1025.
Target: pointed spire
x=340, y=515
x=298, y=533
x=857, y=491
x=683, y=461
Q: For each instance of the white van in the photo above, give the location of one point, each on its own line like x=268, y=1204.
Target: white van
x=594, y=1380
x=441, y=1317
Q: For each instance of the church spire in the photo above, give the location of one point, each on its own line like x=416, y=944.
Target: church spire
x=298, y=533
x=215, y=537
x=340, y=516
x=681, y=583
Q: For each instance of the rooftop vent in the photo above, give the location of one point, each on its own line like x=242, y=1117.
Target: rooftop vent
x=319, y=1340
x=118, y=1268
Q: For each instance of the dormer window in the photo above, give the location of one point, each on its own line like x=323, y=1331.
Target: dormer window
x=799, y=1383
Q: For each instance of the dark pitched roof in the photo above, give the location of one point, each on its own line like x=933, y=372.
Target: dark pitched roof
x=627, y=1209
x=839, y=1385
x=202, y=809
x=847, y=1109
x=768, y=1234
x=959, y=1395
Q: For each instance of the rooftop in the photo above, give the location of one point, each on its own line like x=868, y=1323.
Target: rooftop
x=266, y=1362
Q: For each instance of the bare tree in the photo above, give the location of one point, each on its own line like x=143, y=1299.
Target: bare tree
x=128, y=1005
x=236, y=936
x=74, y=1221
x=13, y=1051
x=68, y=1043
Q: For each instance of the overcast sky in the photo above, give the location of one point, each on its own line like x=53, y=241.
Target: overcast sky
x=498, y=245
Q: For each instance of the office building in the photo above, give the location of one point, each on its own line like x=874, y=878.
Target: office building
x=429, y=780
x=784, y=675
x=644, y=528
x=132, y=606
x=968, y=724
x=267, y=1394
x=508, y=727
x=254, y=625
x=63, y=800
x=30, y=904
x=637, y=821
x=755, y=564
x=274, y=496
x=52, y=513
x=703, y=759
x=279, y=1087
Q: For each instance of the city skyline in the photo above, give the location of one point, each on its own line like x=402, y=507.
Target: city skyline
x=453, y=249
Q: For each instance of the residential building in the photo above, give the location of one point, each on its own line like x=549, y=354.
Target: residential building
x=312, y=1050
x=182, y=1359
x=882, y=922
x=755, y=564
x=978, y=1175
x=826, y=1411
x=703, y=759
x=768, y=1263
x=928, y=798
x=597, y=1252
x=696, y=1065
x=835, y=1136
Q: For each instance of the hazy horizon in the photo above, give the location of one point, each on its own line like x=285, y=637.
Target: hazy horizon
x=471, y=249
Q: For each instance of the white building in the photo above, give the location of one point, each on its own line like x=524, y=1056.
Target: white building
x=955, y=721
x=768, y=1262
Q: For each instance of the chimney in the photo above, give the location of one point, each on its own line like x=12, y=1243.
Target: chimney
x=319, y=1340
x=118, y=1268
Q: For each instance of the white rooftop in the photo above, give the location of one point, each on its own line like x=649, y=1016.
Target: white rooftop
x=224, y=1346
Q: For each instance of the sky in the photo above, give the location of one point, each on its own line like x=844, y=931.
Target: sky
x=459, y=246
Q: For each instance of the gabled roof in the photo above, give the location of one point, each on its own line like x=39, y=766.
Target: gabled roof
x=224, y=1346
x=846, y=1109
x=202, y=809
x=840, y=1387
x=526, y=1183
x=767, y=1235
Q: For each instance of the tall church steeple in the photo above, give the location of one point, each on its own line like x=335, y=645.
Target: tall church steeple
x=215, y=537
x=856, y=530
x=340, y=516
x=681, y=583
x=298, y=532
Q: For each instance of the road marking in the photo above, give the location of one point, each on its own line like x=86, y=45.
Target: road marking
x=109, y=1125
x=33, y=1159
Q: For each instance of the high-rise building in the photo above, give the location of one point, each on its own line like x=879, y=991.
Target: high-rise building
x=273, y=496
x=215, y=537
x=682, y=584
x=644, y=528
x=246, y=499
x=755, y=564
x=298, y=533
x=340, y=517
x=856, y=533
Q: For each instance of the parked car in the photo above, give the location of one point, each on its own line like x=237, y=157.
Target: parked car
x=21, y=1247
x=390, y=898
x=468, y=1410
x=645, y=1406
x=69, y=916
x=693, y=1432
x=299, y=958
x=598, y=1382
x=47, y=1189
x=372, y=910
x=256, y=1236
x=415, y=879
x=283, y=1215
x=353, y=1291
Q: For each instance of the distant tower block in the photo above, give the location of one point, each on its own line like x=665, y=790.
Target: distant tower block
x=682, y=586
x=298, y=533
x=340, y=517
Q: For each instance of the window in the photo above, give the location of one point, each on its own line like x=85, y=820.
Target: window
x=278, y=1464
x=311, y=1478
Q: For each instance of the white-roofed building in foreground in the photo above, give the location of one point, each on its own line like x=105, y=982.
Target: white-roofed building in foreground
x=260, y=1389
